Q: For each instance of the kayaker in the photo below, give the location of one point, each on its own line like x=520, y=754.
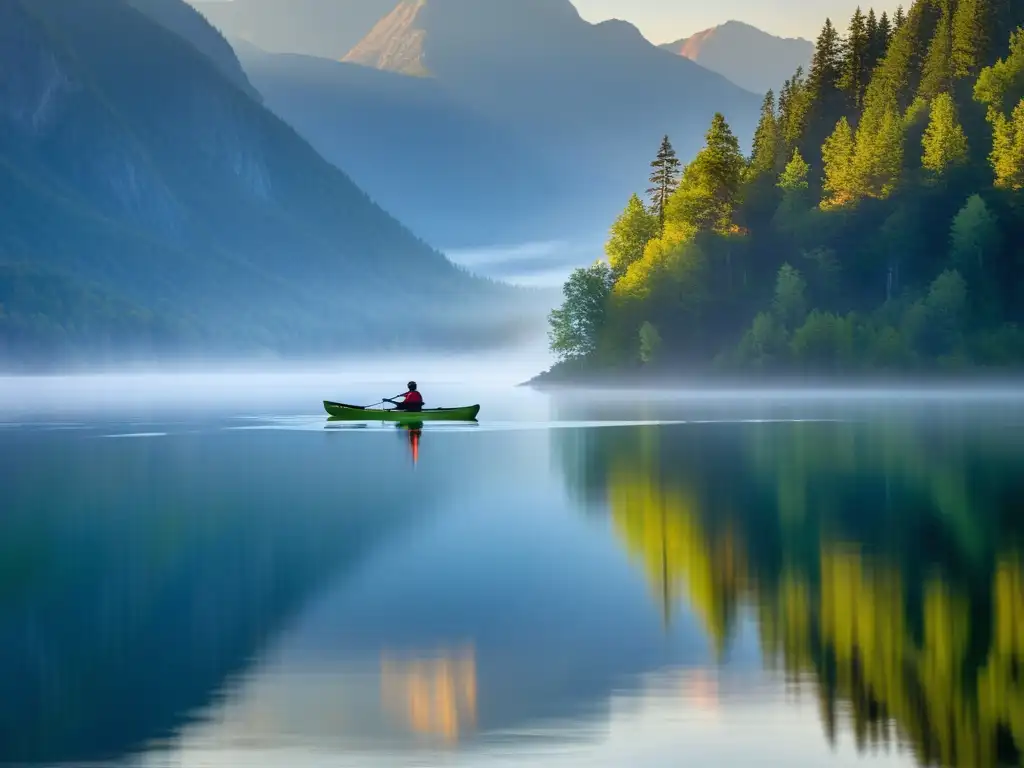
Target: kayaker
x=413, y=400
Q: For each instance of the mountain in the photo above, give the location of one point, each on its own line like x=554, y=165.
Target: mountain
x=324, y=28
x=142, y=190
x=745, y=55
x=573, y=91
x=456, y=177
x=186, y=22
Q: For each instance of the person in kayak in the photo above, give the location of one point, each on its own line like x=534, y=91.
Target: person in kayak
x=413, y=400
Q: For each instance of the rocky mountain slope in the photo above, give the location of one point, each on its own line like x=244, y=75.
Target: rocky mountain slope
x=324, y=28
x=139, y=181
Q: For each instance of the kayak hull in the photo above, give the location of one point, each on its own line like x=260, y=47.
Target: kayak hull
x=356, y=413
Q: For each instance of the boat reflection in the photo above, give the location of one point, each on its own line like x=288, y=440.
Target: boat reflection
x=415, y=430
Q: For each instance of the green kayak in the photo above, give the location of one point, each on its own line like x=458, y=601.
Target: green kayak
x=359, y=413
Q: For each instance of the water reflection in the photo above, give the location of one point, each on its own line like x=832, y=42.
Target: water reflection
x=139, y=578
x=433, y=694
x=615, y=595
x=883, y=562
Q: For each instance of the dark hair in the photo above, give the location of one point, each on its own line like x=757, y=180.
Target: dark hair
x=412, y=386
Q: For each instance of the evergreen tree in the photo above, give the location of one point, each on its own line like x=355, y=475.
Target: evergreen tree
x=837, y=160
x=826, y=100
x=760, y=197
x=1007, y=155
x=871, y=27
x=794, y=177
x=790, y=303
x=630, y=233
x=1001, y=88
x=899, y=18
x=937, y=76
x=664, y=179
x=894, y=84
x=765, y=154
x=878, y=158
x=709, y=191
x=1001, y=85
x=856, y=64
x=793, y=105
x=796, y=197
x=945, y=143
x=974, y=236
x=970, y=37
x=884, y=36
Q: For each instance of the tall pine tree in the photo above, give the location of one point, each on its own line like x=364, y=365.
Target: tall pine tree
x=970, y=37
x=837, y=159
x=944, y=143
x=766, y=153
x=895, y=82
x=899, y=18
x=884, y=35
x=826, y=101
x=1008, y=149
x=793, y=104
x=796, y=195
x=793, y=178
x=871, y=27
x=856, y=63
x=664, y=179
x=878, y=158
x=709, y=191
x=1001, y=87
x=937, y=76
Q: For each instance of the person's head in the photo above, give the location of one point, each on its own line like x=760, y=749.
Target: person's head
x=412, y=386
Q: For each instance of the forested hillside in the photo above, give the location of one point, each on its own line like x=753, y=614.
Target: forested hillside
x=189, y=24
x=877, y=223
x=150, y=205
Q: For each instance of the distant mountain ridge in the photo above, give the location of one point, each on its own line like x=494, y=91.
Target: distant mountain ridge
x=455, y=176
x=543, y=72
x=145, y=193
x=746, y=55
x=324, y=28
x=189, y=24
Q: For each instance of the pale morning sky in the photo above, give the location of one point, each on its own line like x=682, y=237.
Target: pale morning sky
x=664, y=21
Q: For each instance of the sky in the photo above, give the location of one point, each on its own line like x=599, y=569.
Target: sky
x=664, y=21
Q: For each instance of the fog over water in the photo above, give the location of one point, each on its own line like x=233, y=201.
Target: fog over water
x=203, y=570
x=543, y=264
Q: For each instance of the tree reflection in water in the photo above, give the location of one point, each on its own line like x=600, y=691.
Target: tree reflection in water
x=883, y=562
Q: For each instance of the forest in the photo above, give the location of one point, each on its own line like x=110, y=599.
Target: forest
x=875, y=226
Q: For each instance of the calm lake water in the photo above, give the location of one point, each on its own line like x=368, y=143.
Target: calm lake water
x=190, y=576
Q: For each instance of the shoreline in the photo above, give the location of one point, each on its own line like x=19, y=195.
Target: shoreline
x=779, y=382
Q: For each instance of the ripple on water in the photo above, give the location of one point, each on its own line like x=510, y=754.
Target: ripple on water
x=316, y=423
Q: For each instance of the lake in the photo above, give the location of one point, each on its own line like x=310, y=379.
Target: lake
x=205, y=571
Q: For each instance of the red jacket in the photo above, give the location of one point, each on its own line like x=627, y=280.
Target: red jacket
x=413, y=398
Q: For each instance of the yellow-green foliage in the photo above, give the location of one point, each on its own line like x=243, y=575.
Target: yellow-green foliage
x=928, y=655
x=944, y=143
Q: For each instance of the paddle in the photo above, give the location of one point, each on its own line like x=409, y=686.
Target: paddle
x=385, y=400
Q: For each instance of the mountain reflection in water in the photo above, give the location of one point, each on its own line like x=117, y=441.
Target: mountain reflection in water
x=822, y=592
x=434, y=694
